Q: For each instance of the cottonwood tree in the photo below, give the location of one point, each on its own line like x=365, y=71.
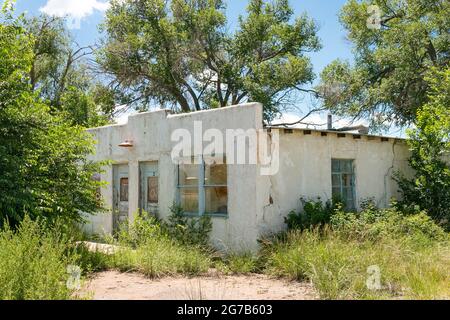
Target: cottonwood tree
x=395, y=42
x=429, y=141
x=180, y=53
x=44, y=170
x=61, y=75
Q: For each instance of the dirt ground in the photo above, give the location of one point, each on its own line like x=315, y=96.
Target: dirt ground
x=113, y=285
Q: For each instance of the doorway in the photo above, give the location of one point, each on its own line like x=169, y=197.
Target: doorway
x=149, y=187
x=120, y=195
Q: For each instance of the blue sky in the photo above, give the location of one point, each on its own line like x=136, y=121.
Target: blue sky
x=324, y=12
x=90, y=13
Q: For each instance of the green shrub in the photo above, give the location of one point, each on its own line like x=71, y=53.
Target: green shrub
x=239, y=263
x=33, y=262
x=315, y=213
x=411, y=252
x=374, y=224
x=149, y=246
x=144, y=226
x=90, y=261
x=188, y=230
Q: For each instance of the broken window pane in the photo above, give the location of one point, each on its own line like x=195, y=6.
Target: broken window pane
x=123, y=189
x=152, y=189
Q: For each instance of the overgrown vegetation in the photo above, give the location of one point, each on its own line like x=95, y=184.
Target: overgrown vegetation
x=314, y=213
x=429, y=188
x=33, y=262
x=44, y=167
x=411, y=252
x=158, y=248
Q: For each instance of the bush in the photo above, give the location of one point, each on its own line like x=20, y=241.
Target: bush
x=375, y=224
x=33, y=262
x=188, y=230
x=429, y=142
x=315, y=213
x=243, y=263
x=147, y=246
x=411, y=252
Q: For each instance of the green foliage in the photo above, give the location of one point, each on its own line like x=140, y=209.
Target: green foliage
x=90, y=261
x=145, y=246
x=375, y=224
x=239, y=263
x=315, y=213
x=80, y=108
x=33, y=262
x=188, y=230
x=387, y=81
x=429, y=188
x=181, y=53
x=44, y=169
x=60, y=75
x=411, y=252
x=143, y=227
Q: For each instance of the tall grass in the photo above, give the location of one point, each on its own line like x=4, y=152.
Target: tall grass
x=147, y=248
x=413, y=262
x=33, y=262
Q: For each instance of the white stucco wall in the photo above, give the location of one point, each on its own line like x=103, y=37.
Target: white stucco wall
x=151, y=136
x=305, y=170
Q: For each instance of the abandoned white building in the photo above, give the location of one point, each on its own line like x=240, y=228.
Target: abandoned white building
x=243, y=201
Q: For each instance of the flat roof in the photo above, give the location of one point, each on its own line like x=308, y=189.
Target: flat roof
x=336, y=132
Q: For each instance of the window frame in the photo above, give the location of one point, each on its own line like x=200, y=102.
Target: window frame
x=201, y=185
x=122, y=195
x=341, y=186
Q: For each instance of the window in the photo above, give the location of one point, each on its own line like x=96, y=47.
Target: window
x=152, y=189
x=203, y=187
x=123, y=189
x=343, y=182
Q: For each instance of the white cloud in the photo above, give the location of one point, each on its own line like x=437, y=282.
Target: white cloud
x=77, y=9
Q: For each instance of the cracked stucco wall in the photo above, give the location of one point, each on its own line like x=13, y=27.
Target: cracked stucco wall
x=305, y=171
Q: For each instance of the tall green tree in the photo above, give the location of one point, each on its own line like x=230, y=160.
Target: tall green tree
x=180, y=53
x=44, y=167
x=395, y=43
x=60, y=73
x=430, y=152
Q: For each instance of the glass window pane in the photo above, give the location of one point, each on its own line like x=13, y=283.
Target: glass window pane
x=335, y=165
x=152, y=189
x=347, y=180
x=346, y=166
x=216, y=199
x=188, y=174
x=189, y=199
x=123, y=189
x=216, y=174
x=336, y=180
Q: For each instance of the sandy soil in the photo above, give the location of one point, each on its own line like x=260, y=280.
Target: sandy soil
x=112, y=285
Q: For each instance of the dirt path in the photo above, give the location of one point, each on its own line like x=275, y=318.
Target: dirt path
x=112, y=285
